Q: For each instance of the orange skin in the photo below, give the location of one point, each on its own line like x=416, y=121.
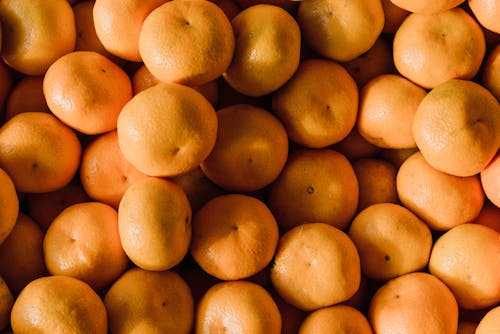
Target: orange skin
x=105, y=174
x=417, y=302
x=322, y=185
x=150, y=302
x=160, y=143
x=377, y=182
x=428, y=52
x=44, y=161
x=456, y=127
x=83, y=242
x=62, y=302
x=474, y=278
x=9, y=201
x=325, y=112
x=234, y=236
x=154, y=222
x=27, y=95
x=440, y=199
x=33, y=53
x=391, y=241
x=44, y=207
x=207, y=55
x=336, y=319
x=323, y=254
x=257, y=69
x=6, y=302
x=21, y=255
x=250, y=151
x=118, y=25
x=87, y=91
x=237, y=306
x=341, y=31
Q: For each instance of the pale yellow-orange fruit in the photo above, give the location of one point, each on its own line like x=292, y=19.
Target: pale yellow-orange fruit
x=237, y=307
x=267, y=50
x=456, y=127
x=322, y=253
x=430, y=49
x=415, y=303
x=466, y=259
x=35, y=33
x=58, y=304
x=189, y=42
x=341, y=30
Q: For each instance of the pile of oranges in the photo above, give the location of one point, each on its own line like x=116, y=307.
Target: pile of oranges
x=250, y=166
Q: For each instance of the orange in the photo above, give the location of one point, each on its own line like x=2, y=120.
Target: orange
x=198, y=280
x=267, y=50
x=427, y=6
x=397, y=156
x=46, y=159
x=87, y=91
x=198, y=187
x=142, y=301
x=466, y=327
x=487, y=13
x=118, y=25
x=250, y=151
x=466, y=259
x=456, y=127
x=393, y=15
x=6, y=302
x=291, y=317
x=206, y=52
x=341, y=31
x=339, y=319
x=414, y=303
x=6, y=82
x=167, y=130
x=387, y=106
x=316, y=185
x=32, y=53
x=376, y=180
x=362, y=297
x=377, y=60
x=489, y=216
x=285, y=4
x=391, y=241
x=309, y=258
x=430, y=49
x=490, y=77
x=83, y=242
x=355, y=147
x=490, y=322
x=154, y=222
x=27, y=95
x=142, y=79
x=105, y=174
x=441, y=200
x=86, y=36
x=21, y=254
x=229, y=96
x=44, y=207
x=237, y=307
x=230, y=7
x=9, y=202
x=210, y=90
x=234, y=236
x=318, y=105
x=490, y=180
x=58, y=304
